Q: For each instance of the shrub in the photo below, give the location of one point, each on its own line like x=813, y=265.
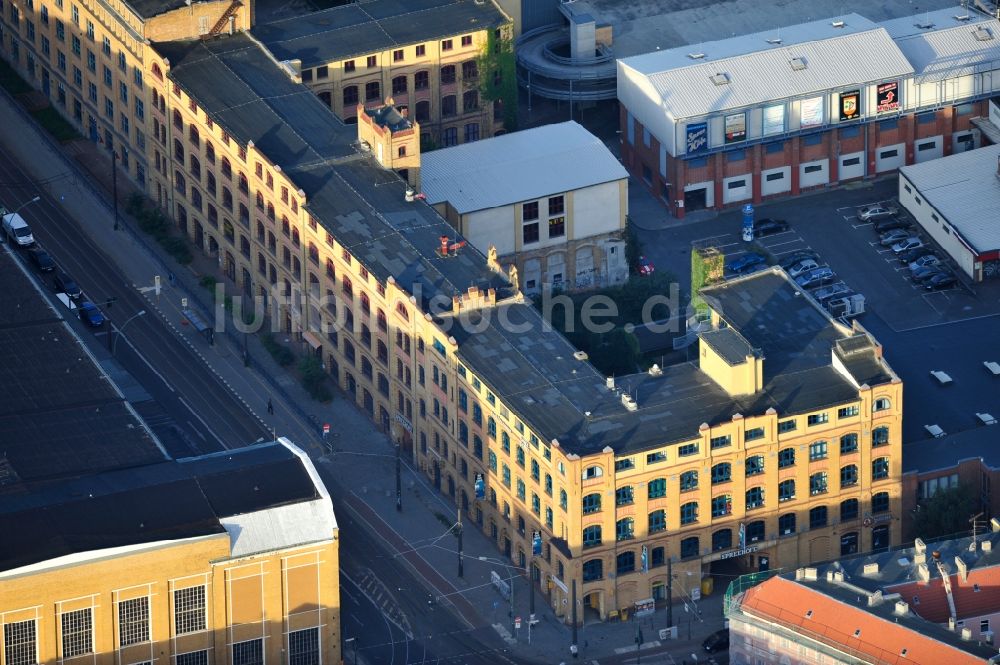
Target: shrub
x=281, y=354
x=314, y=378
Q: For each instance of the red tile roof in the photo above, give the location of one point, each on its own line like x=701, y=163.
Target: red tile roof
x=845, y=627
x=969, y=603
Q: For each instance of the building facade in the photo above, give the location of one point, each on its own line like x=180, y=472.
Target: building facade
x=426, y=59
x=773, y=114
x=552, y=201
x=200, y=586
x=91, y=60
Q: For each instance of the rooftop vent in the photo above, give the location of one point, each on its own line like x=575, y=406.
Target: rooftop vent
x=986, y=545
x=983, y=34
x=581, y=355
x=775, y=42
x=696, y=56
x=809, y=614
x=610, y=382
x=961, y=17
x=903, y=653
x=966, y=634
x=629, y=402
x=924, y=26
x=720, y=79
x=857, y=633
x=838, y=24
x=870, y=568
x=902, y=607
x=655, y=370
x=798, y=64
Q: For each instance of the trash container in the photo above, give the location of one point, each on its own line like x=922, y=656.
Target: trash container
x=707, y=584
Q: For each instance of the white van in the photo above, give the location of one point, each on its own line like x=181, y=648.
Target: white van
x=16, y=229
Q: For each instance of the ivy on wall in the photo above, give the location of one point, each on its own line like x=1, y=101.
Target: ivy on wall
x=498, y=73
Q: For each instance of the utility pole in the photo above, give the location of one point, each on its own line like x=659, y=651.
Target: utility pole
x=670, y=592
x=572, y=647
x=399, y=490
x=461, y=564
x=114, y=183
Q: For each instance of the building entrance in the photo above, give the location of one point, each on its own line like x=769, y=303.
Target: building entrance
x=696, y=199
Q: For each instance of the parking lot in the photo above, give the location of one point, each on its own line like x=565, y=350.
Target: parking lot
x=953, y=331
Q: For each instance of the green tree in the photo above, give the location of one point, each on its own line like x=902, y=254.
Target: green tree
x=946, y=513
x=707, y=266
x=614, y=353
x=498, y=73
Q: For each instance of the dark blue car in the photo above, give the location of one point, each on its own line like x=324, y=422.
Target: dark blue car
x=745, y=262
x=90, y=315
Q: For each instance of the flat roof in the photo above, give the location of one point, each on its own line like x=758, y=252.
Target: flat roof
x=518, y=166
x=59, y=414
x=947, y=47
x=965, y=190
x=151, y=8
x=760, y=71
x=936, y=454
x=375, y=25
x=167, y=501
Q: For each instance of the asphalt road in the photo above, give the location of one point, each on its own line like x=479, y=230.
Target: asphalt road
x=189, y=393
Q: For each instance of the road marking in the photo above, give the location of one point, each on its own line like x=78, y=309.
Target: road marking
x=202, y=421
x=787, y=242
x=645, y=645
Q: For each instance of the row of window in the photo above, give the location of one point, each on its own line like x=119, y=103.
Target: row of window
x=722, y=505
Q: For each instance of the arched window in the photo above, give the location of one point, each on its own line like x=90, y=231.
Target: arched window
x=210, y=185
x=491, y=427
x=260, y=201
x=848, y=475
x=817, y=517
x=227, y=168
x=156, y=71
x=209, y=153
x=689, y=481
x=592, y=536
x=593, y=570
x=193, y=135
x=314, y=253
x=286, y=227
x=244, y=184
x=401, y=310
x=366, y=304
x=657, y=488
x=786, y=524
x=194, y=167
x=373, y=91
x=179, y=183
x=270, y=211
x=592, y=472
x=295, y=237
x=625, y=563
x=689, y=512
x=592, y=503
x=722, y=473
x=350, y=98
x=882, y=404
x=625, y=529
x=690, y=547
x=227, y=199
x=178, y=150
x=196, y=199
x=178, y=120
x=848, y=510
x=657, y=521
x=722, y=540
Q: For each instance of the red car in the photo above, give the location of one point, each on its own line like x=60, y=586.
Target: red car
x=645, y=267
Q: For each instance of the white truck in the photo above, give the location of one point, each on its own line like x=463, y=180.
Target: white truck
x=16, y=229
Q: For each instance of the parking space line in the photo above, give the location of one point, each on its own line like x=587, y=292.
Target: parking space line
x=792, y=251
x=787, y=242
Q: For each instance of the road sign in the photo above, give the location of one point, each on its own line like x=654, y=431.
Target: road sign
x=326, y=429
x=184, y=302
x=517, y=623
x=156, y=284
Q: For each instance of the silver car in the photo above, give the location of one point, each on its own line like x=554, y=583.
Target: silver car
x=925, y=261
x=875, y=212
x=906, y=244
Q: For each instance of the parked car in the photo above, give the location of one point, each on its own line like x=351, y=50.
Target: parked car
x=717, y=641
x=924, y=261
x=645, y=267
x=769, y=226
x=90, y=315
x=890, y=224
x=907, y=244
x=41, y=259
x=802, y=267
x=745, y=262
x=914, y=254
x=875, y=212
x=17, y=230
x=940, y=281
x=890, y=238
x=836, y=290
x=921, y=274
x=65, y=284
x=816, y=277
x=787, y=262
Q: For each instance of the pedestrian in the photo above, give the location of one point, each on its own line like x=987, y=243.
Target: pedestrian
x=270, y=407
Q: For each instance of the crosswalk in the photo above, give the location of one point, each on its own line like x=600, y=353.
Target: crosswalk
x=381, y=597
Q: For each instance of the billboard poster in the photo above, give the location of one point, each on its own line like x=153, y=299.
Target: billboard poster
x=736, y=127
x=480, y=487
x=811, y=112
x=774, y=119
x=697, y=137
x=850, y=107
x=536, y=543
x=887, y=97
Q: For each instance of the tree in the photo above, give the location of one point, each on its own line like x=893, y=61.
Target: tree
x=946, y=513
x=498, y=73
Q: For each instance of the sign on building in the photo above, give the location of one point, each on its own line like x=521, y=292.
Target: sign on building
x=697, y=137
x=887, y=97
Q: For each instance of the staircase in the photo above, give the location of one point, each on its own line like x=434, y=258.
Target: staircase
x=224, y=19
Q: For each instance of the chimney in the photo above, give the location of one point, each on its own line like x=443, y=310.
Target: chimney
x=986, y=545
x=902, y=607
x=963, y=570
x=966, y=634
x=951, y=624
x=610, y=382
x=870, y=568
x=924, y=573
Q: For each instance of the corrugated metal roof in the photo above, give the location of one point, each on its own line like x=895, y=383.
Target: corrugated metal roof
x=964, y=188
x=924, y=22
x=760, y=72
x=953, y=49
x=284, y=526
x=520, y=166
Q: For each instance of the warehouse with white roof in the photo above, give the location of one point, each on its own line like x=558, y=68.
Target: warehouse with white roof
x=957, y=202
x=552, y=200
x=774, y=113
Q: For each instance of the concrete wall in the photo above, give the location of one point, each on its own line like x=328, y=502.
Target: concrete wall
x=936, y=226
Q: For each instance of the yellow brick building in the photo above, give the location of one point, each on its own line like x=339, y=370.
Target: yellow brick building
x=224, y=559
x=424, y=56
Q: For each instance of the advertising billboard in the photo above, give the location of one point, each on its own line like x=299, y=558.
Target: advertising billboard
x=811, y=112
x=887, y=97
x=774, y=120
x=696, y=137
x=850, y=105
x=736, y=127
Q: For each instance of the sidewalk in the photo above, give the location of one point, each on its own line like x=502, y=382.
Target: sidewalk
x=360, y=458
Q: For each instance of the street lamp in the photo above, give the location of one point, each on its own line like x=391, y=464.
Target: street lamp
x=510, y=568
x=27, y=203
x=118, y=332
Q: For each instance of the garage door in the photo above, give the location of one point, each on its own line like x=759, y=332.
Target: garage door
x=738, y=188
x=928, y=149
x=585, y=267
x=776, y=181
x=815, y=173
x=852, y=165
x=890, y=157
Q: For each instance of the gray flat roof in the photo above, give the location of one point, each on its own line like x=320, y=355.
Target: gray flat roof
x=965, y=190
x=519, y=166
x=151, y=8
x=936, y=454
x=527, y=364
x=59, y=415
x=165, y=501
x=728, y=343
x=376, y=25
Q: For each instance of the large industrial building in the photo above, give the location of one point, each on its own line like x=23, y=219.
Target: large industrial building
x=778, y=447
x=114, y=552
x=779, y=112
x=955, y=201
